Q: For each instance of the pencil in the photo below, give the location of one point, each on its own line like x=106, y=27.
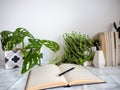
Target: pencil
x=66, y=71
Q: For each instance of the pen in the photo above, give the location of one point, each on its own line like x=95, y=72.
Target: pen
x=66, y=71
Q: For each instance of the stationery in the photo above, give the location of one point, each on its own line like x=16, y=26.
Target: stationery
x=66, y=71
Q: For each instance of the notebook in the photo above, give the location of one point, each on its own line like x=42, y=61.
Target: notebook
x=47, y=76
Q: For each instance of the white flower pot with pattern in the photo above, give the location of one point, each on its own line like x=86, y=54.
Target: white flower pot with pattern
x=13, y=59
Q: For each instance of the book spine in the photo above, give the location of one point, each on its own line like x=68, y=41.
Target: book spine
x=116, y=48
x=113, y=48
x=110, y=49
x=107, y=51
x=118, y=55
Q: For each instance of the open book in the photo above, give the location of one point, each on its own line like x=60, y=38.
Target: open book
x=47, y=76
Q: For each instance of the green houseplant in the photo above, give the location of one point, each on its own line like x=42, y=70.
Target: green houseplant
x=77, y=48
x=117, y=28
x=31, y=51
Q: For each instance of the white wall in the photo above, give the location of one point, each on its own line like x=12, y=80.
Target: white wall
x=50, y=19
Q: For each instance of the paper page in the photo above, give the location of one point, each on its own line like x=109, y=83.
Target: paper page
x=45, y=77
x=79, y=75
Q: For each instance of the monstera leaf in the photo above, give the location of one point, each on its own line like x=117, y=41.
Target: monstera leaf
x=33, y=54
x=51, y=45
x=10, y=39
x=5, y=38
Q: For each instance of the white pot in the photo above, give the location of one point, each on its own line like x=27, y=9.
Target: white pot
x=88, y=63
x=99, y=60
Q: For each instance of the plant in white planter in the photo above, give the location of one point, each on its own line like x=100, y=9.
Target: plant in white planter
x=77, y=48
x=31, y=51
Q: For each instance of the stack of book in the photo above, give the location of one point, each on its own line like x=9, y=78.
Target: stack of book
x=109, y=44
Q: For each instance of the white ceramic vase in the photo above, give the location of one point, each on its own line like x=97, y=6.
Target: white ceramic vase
x=99, y=60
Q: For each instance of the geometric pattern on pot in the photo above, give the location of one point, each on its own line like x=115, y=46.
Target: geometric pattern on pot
x=13, y=59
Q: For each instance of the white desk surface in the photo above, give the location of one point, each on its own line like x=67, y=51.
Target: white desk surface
x=13, y=80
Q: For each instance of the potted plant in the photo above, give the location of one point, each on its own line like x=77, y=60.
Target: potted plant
x=31, y=51
x=117, y=28
x=77, y=48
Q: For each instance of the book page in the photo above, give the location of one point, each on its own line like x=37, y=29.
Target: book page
x=45, y=77
x=79, y=75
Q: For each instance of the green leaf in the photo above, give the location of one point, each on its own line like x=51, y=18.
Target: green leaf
x=19, y=35
x=51, y=45
x=31, y=59
x=32, y=52
x=5, y=38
